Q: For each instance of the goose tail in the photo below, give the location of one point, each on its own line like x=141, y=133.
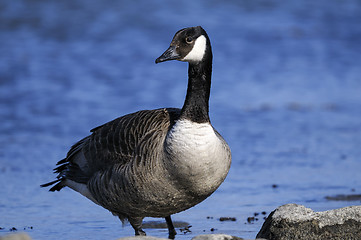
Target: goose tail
x=57, y=187
x=64, y=166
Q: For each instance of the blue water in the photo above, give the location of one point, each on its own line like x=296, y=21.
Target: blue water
x=286, y=95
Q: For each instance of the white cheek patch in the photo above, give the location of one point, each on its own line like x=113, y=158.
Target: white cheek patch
x=198, y=50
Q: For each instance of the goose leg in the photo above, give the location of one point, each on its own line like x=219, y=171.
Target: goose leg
x=137, y=225
x=171, y=230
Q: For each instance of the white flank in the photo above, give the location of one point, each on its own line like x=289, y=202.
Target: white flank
x=80, y=188
x=198, y=50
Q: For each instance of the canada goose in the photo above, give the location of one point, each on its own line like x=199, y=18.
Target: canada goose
x=154, y=163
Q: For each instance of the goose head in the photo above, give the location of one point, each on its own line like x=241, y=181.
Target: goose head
x=188, y=45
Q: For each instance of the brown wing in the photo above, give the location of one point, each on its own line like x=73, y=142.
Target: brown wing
x=112, y=143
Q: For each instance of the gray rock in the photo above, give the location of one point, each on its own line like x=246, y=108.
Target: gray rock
x=292, y=221
x=16, y=236
x=199, y=237
x=216, y=237
x=142, y=238
x=220, y=237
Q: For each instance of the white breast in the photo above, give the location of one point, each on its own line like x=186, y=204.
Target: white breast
x=197, y=155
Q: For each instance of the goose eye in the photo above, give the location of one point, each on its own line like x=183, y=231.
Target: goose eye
x=189, y=39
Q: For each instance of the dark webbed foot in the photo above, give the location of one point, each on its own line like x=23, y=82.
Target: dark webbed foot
x=140, y=232
x=171, y=230
x=137, y=225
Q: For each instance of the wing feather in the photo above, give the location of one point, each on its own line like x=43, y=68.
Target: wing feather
x=115, y=142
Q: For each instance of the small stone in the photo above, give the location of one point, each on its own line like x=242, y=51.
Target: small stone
x=222, y=219
x=250, y=219
x=186, y=229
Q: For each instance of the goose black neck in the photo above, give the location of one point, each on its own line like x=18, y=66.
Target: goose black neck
x=196, y=106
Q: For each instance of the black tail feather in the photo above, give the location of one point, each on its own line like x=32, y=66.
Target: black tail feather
x=57, y=187
x=50, y=183
x=61, y=168
x=67, y=169
x=65, y=160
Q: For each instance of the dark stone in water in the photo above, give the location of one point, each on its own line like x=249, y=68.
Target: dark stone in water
x=250, y=219
x=343, y=197
x=160, y=224
x=222, y=219
x=186, y=229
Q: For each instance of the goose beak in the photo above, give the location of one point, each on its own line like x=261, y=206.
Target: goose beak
x=169, y=54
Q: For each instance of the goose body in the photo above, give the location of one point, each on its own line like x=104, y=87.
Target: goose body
x=154, y=163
